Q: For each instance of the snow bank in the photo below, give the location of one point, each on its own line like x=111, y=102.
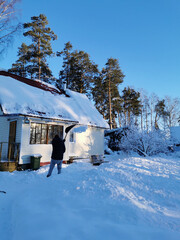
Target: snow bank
x=129, y=198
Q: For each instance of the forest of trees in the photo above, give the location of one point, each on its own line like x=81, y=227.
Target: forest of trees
x=119, y=107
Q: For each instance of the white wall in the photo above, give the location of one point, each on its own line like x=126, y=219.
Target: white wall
x=27, y=149
x=4, y=129
x=4, y=136
x=90, y=142
x=4, y=133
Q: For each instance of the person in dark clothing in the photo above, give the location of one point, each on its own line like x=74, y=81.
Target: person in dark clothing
x=58, y=149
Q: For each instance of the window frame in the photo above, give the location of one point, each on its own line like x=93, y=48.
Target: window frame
x=72, y=137
x=43, y=133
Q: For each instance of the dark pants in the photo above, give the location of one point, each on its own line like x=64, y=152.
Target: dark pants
x=52, y=164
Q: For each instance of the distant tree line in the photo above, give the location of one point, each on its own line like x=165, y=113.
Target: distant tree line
x=81, y=74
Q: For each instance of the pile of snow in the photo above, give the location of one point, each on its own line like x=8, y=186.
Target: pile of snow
x=19, y=98
x=129, y=198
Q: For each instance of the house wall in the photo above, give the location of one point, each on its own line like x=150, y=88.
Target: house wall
x=4, y=133
x=90, y=142
x=27, y=149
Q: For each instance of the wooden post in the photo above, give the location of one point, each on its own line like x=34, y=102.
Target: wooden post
x=17, y=155
x=9, y=156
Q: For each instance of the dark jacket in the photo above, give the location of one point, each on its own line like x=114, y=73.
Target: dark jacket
x=58, y=148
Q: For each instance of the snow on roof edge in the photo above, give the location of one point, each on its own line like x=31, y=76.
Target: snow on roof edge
x=18, y=97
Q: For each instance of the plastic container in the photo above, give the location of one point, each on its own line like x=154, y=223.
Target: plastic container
x=35, y=161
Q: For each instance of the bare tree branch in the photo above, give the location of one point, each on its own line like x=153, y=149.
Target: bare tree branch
x=8, y=22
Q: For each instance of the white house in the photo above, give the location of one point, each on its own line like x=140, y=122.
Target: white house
x=32, y=112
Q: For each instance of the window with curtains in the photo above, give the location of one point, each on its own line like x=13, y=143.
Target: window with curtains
x=44, y=133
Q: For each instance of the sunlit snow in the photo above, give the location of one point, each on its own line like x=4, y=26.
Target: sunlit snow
x=128, y=198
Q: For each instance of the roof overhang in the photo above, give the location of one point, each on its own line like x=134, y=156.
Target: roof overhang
x=48, y=120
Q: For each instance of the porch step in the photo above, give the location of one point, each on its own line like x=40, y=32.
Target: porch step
x=8, y=166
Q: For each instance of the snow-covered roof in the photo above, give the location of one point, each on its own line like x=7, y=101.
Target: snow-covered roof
x=36, y=98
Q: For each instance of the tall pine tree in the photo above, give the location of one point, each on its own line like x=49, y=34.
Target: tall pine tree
x=100, y=96
x=112, y=78
x=65, y=73
x=160, y=112
x=78, y=70
x=131, y=104
x=20, y=67
x=32, y=61
x=41, y=37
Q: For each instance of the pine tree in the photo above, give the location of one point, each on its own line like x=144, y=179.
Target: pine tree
x=160, y=112
x=20, y=67
x=78, y=70
x=83, y=72
x=99, y=95
x=131, y=104
x=65, y=73
x=40, y=49
x=116, y=108
x=112, y=78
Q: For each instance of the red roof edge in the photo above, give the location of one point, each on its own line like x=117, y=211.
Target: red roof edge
x=33, y=83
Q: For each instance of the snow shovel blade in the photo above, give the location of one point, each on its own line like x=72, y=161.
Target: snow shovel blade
x=3, y=192
x=69, y=128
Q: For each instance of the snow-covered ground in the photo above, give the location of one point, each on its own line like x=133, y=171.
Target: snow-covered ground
x=126, y=198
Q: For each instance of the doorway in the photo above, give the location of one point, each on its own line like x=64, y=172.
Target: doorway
x=12, y=139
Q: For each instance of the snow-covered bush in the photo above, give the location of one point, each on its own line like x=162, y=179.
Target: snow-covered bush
x=143, y=142
x=113, y=138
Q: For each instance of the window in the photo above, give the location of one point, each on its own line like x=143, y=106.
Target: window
x=44, y=133
x=72, y=137
x=53, y=130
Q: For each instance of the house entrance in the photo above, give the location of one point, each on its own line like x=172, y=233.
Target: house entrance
x=12, y=139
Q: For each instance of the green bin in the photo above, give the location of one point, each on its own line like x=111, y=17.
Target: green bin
x=35, y=162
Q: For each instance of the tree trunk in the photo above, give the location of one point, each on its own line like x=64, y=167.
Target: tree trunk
x=129, y=117
x=39, y=59
x=151, y=119
x=125, y=117
x=110, y=114
x=156, y=122
x=141, y=120
x=119, y=119
x=147, y=120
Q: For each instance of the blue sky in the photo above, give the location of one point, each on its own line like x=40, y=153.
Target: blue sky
x=144, y=35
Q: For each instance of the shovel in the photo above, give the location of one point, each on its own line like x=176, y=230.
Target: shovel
x=68, y=129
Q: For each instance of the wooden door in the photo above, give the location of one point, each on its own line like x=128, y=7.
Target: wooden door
x=12, y=139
